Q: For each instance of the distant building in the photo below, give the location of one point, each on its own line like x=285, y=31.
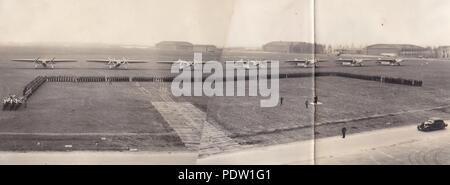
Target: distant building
x=175, y=45
x=293, y=47
x=206, y=48
x=404, y=50
x=443, y=52
x=349, y=51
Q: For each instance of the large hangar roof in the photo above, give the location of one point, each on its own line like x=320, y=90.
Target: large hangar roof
x=174, y=43
x=394, y=46
x=286, y=43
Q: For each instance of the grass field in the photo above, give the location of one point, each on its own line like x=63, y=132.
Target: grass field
x=245, y=119
x=99, y=116
x=80, y=114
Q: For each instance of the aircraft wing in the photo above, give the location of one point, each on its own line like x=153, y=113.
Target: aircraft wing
x=23, y=60
x=167, y=62
x=322, y=60
x=304, y=60
x=348, y=60
x=386, y=60
x=237, y=61
x=64, y=60
x=136, y=61
x=295, y=61
x=201, y=62
x=344, y=59
x=97, y=60
x=178, y=61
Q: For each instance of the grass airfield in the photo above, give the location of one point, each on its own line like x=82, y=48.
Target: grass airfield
x=126, y=116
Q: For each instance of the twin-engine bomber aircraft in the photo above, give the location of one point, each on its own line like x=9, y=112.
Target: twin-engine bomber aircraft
x=312, y=62
x=250, y=64
x=46, y=63
x=183, y=64
x=359, y=61
x=351, y=61
x=114, y=63
x=382, y=59
x=390, y=61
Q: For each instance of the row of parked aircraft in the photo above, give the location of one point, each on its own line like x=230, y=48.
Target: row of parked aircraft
x=111, y=62
x=351, y=61
x=307, y=62
x=50, y=62
x=116, y=63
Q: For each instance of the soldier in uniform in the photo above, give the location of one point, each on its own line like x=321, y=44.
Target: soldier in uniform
x=344, y=130
x=12, y=102
x=5, y=102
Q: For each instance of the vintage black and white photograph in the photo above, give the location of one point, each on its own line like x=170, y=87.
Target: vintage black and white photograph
x=259, y=82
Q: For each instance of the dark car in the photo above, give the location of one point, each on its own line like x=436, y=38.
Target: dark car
x=432, y=124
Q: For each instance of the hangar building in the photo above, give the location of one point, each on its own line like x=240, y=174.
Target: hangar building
x=349, y=51
x=293, y=47
x=206, y=48
x=175, y=45
x=404, y=50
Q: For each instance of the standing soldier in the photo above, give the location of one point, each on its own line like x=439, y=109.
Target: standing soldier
x=281, y=100
x=306, y=103
x=343, y=132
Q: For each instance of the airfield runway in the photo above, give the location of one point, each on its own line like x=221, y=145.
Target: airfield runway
x=146, y=117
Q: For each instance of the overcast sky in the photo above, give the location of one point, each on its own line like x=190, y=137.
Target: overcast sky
x=248, y=23
x=114, y=21
x=256, y=22
x=422, y=22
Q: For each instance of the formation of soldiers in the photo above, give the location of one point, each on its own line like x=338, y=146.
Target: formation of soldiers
x=91, y=79
x=382, y=79
x=31, y=87
x=118, y=79
x=62, y=78
x=152, y=79
x=142, y=79
x=88, y=79
x=13, y=102
x=402, y=81
x=40, y=80
x=108, y=79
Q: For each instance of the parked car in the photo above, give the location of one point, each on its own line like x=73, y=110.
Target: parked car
x=432, y=124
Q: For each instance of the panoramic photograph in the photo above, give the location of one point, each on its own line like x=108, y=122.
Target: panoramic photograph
x=258, y=82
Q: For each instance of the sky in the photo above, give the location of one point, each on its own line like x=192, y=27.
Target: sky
x=143, y=22
x=364, y=22
x=229, y=23
x=256, y=22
